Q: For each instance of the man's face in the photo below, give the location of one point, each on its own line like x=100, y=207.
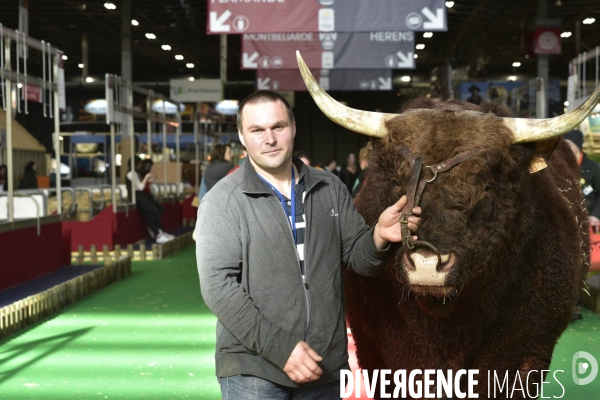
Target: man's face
x=268, y=136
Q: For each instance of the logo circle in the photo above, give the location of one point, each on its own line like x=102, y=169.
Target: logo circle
x=414, y=20
x=264, y=62
x=548, y=41
x=390, y=61
x=277, y=62
x=241, y=23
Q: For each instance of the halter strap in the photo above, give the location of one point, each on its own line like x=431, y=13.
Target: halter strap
x=415, y=189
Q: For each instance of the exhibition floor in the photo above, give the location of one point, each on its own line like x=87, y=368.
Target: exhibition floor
x=150, y=336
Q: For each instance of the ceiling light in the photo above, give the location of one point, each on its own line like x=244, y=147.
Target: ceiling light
x=589, y=21
x=110, y=6
x=19, y=85
x=516, y=64
x=190, y=65
x=179, y=57
x=428, y=35
x=134, y=22
x=405, y=79
x=166, y=47
x=449, y=4
x=89, y=79
x=80, y=65
x=512, y=78
x=64, y=57
x=566, y=104
x=191, y=79
x=150, y=35
x=416, y=56
x=420, y=46
x=566, y=34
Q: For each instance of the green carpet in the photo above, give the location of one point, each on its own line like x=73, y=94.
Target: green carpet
x=150, y=336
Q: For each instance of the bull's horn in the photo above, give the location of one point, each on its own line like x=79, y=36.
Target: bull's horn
x=365, y=122
x=535, y=130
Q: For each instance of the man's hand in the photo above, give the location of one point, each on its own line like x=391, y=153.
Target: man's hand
x=301, y=366
x=388, y=227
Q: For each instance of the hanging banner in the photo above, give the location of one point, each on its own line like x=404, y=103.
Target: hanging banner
x=198, y=90
x=337, y=79
x=251, y=16
x=329, y=50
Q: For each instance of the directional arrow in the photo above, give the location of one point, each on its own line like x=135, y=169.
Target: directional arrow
x=250, y=61
x=263, y=84
x=217, y=24
x=406, y=61
x=436, y=21
x=385, y=83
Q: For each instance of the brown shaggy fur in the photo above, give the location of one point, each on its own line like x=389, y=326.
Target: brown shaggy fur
x=521, y=248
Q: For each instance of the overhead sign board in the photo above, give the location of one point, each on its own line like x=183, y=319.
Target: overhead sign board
x=329, y=50
x=260, y=16
x=195, y=91
x=335, y=79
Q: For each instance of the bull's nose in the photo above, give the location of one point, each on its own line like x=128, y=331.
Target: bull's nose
x=424, y=269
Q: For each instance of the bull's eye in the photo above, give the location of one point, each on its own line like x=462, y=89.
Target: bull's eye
x=488, y=186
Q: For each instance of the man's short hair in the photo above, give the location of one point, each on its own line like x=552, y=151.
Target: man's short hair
x=263, y=96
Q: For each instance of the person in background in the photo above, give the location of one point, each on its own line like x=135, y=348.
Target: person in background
x=3, y=177
x=29, y=180
x=304, y=157
x=590, y=187
x=147, y=205
x=349, y=172
x=363, y=161
x=243, y=157
x=590, y=177
x=277, y=293
x=219, y=167
x=331, y=166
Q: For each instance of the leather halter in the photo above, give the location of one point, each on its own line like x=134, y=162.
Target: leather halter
x=415, y=189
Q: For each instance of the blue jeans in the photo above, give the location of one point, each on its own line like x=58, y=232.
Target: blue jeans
x=248, y=387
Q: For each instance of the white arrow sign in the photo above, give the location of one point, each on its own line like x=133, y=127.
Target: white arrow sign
x=217, y=24
x=385, y=83
x=436, y=21
x=263, y=84
x=406, y=61
x=250, y=61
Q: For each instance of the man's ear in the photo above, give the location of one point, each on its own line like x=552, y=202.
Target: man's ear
x=294, y=130
x=241, y=136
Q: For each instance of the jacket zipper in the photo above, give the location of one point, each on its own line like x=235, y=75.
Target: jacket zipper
x=303, y=276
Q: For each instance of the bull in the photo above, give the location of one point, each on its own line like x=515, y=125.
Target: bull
x=502, y=251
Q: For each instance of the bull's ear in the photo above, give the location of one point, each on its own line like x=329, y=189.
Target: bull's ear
x=543, y=151
x=545, y=148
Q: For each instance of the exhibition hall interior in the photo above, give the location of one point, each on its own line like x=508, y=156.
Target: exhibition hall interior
x=117, y=118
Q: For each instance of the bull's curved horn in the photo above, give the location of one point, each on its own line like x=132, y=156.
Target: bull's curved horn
x=365, y=122
x=535, y=130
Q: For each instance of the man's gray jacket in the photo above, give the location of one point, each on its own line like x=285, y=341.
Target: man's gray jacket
x=250, y=276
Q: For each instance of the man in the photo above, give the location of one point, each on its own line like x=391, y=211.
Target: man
x=590, y=187
x=590, y=177
x=270, y=242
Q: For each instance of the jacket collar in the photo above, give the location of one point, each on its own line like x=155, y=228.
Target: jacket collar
x=254, y=185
